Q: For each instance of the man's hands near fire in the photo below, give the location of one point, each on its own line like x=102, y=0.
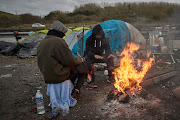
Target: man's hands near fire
x=101, y=57
x=82, y=59
x=98, y=57
x=111, y=55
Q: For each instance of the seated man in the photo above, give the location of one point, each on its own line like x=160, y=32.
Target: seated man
x=98, y=51
x=57, y=65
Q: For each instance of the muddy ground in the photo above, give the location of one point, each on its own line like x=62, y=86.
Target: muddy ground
x=20, y=78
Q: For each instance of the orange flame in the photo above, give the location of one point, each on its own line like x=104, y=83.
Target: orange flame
x=127, y=77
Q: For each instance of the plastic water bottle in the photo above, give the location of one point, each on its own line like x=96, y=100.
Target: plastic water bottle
x=39, y=102
x=106, y=72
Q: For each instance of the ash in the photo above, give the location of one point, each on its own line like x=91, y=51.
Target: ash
x=141, y=106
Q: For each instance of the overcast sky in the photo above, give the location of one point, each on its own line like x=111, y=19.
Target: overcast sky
x=43, y=7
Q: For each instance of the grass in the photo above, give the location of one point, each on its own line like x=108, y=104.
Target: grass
x=21, y=29
x=27, y=27
x=5, y=13
x=86, y=24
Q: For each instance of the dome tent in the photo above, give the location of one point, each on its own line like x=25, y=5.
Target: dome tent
x=118, y=32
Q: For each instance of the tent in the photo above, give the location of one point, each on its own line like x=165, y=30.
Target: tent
x=73, y=36
x=39, y=35
x=30, y=43
x=118, y=32
x=35, y=36
x=28, y=46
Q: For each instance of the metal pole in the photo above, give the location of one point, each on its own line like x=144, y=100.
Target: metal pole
x=82, y=42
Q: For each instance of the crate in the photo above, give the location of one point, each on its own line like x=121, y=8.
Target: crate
x=161, y=40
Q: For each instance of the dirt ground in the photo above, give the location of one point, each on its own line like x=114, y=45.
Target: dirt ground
x=20, y=78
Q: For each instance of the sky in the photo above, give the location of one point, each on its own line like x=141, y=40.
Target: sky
x=43, y=7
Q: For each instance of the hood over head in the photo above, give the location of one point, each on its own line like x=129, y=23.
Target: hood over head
x=98, y=30
x=57, y=25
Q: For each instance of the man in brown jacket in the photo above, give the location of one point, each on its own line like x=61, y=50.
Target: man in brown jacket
x=56, y=62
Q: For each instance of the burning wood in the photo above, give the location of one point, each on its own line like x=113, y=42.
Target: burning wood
x=124, y=98
x=116, y=95
x=128, y=75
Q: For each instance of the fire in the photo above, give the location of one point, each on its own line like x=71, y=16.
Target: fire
x=129, y=75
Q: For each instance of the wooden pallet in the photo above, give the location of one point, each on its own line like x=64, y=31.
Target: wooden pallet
x=155, y=77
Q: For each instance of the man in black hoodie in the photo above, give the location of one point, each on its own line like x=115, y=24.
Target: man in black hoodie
x=98, y=51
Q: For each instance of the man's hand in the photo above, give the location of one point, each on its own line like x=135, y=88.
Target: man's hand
x=98, y=57
x=82, y=59
x=111, y=55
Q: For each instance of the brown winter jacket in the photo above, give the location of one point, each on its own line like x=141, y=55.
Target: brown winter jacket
x=55, y=59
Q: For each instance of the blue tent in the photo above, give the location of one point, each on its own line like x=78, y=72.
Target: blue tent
x=115, y=30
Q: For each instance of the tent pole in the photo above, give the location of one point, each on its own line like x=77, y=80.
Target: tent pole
x=82, y=42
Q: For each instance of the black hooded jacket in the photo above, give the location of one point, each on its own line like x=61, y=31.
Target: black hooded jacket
x=97, y=46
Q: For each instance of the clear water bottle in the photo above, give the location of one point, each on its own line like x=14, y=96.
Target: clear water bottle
x=39, y=102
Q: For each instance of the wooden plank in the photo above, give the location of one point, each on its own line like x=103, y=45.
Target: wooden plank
x=157, y=73
x=156, y=79
x=146, y=83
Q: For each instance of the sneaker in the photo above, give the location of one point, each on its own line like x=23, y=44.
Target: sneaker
x=73, y=102
x=85, y=83
x=55, y=112
x=92, y=85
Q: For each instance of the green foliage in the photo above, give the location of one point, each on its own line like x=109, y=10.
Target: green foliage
x=29, y=18
x=86, y=12
x=87, y=9
x=8, y=20
x=57, y=15
x=129, y=12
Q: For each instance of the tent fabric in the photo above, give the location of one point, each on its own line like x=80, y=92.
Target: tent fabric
x=72, y=38
x=30, y=44
x=26, y=48
x=67, y=33
x=10, y=49
x=138, y=38
x=115, y=30
x=31, y=32
x=4, y=45
x=81, y=28
x=60, y=96
x=34, y=36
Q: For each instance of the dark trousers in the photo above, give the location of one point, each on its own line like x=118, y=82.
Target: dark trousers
x=79, y=71
x=108, y=61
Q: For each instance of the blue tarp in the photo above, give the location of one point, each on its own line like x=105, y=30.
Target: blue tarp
x=60, y=96
x=115, y=30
